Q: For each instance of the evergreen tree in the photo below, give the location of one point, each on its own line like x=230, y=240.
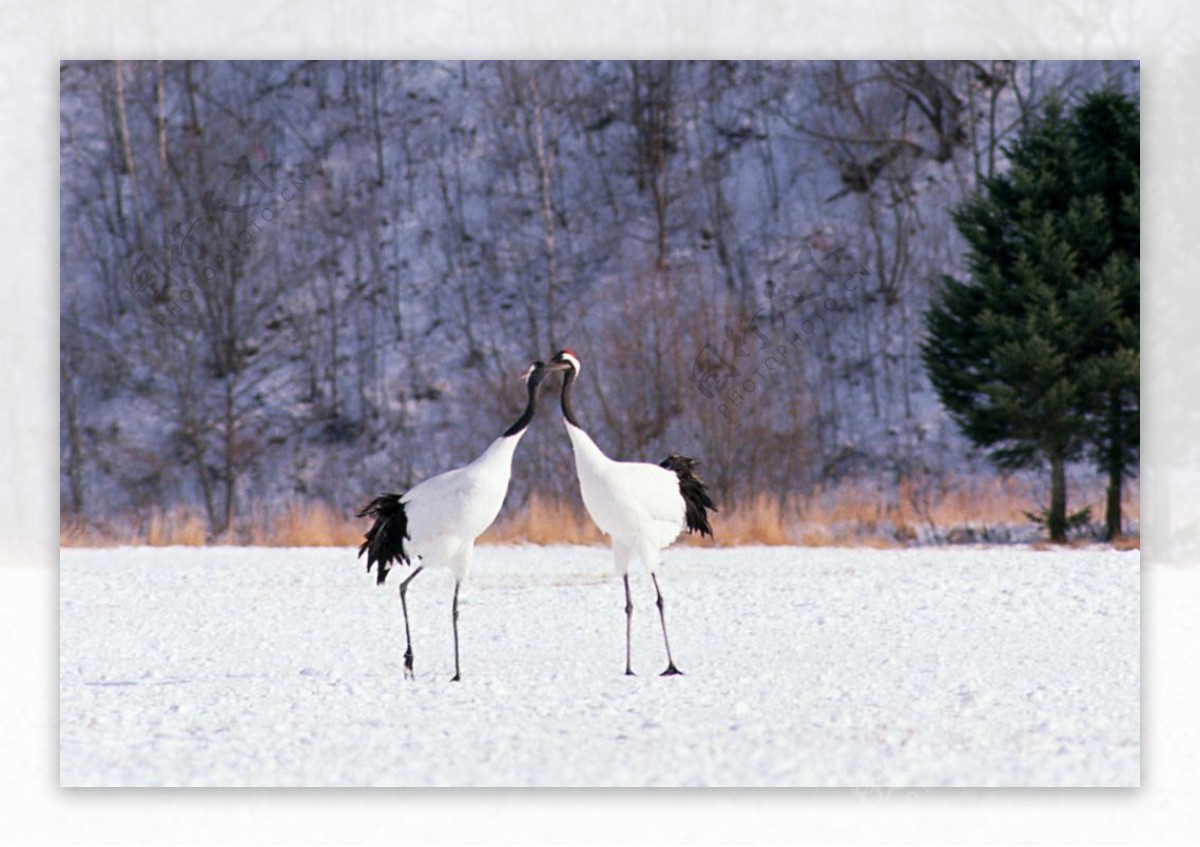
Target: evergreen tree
x=1106, y=132
x=1035, y=354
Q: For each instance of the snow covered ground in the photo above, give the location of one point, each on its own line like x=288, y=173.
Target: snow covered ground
x=822, y=667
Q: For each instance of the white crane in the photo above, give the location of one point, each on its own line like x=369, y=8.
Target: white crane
x=438, y=520
x=641, y=506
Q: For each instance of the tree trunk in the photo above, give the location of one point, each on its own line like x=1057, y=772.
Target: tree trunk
x=74, y=452
x=374, y=73
x=230, y=470
x=1056, y=521
x=1112, y=513
x=164, y=168
x=1116, y=472
x=195, y=440
x=127, y=150
x=545, y=174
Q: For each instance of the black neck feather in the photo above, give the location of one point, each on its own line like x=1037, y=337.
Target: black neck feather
x=522, y=422
x=568, y=409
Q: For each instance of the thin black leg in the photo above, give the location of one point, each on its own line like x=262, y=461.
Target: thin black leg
x=408, y=657
x=456, y=677
x=628, y=627
x=671, y=669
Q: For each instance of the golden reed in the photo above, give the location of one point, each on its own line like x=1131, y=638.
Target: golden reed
x=848, y=514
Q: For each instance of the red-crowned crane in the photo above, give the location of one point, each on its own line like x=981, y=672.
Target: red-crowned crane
x=641, y=506
x=438, y=520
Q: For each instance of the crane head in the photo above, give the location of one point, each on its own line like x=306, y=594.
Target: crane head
x=564, y=360
x=535, y=374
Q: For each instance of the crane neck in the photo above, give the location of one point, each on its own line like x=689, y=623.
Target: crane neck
x=568, y=409
x=519, y=426
x=588, y=457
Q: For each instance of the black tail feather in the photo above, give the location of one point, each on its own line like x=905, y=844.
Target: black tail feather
x=385, y=540
x=695, y=494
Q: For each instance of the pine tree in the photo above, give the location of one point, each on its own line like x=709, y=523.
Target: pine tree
x=1106, y=132
x=1032, y=354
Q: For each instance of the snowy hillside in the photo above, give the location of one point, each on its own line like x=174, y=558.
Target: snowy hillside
x=275, y=271
x=804, y=667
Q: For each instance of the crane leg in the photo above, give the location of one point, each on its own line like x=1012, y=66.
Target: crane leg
x=628, y=627
x=454, y=615
x=671, y=669
x=408, y=657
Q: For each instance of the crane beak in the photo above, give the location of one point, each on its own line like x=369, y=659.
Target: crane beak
x=558, y=366
x=537, y=371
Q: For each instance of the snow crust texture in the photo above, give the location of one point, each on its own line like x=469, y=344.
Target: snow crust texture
x=803, y=667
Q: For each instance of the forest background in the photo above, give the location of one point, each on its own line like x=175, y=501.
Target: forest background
x=287, y=286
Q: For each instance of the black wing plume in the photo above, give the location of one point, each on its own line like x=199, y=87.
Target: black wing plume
x=385, y=540
x=695, y=494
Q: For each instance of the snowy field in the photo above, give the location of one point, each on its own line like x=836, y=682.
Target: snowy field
x=803, y=667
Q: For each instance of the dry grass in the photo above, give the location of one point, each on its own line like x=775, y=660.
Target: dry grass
x=543, y=521
x=845, y=515
x=77, y=534
x=295, y=525
x=874, y=516
x=179, y=527
x=1128, y=542
x=763, y=520
x=311, y=525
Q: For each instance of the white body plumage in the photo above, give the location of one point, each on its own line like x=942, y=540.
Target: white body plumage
x=640, y=506
x=448, y=512
x=637, y=504
x=437, y=521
